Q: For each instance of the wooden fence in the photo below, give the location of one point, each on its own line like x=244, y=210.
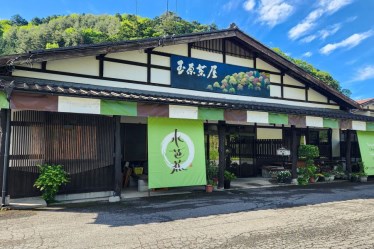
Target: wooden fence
x=83, y=144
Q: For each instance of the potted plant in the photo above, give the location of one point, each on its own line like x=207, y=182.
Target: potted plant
x=209, y=186
x=228, y=178
x=51, y=178
x=211, y=175
x=362, y=174
x=284, y=176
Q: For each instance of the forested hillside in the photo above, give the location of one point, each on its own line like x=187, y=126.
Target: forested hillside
x=18, y=35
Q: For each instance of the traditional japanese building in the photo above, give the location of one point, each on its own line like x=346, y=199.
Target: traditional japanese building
x=164, y=105
x=367, y=107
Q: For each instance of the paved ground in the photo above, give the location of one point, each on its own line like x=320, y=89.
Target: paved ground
x=323, y=216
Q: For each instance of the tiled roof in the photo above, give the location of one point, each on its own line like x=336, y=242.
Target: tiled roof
x=102, y=92
x=364, y=101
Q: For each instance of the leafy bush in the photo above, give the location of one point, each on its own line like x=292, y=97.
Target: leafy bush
x=229, y=176
x=49, y=181
x=309, y=152
x=283, y=176
x=211, y=170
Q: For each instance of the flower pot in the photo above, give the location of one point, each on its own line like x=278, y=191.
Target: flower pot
x=227, y=184
x=312, y=180
x=209, y=188
x=332, y=178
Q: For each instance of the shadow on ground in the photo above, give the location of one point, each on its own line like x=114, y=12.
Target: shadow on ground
x=200, y=204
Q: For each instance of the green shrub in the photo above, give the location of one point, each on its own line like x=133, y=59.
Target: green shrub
x=229, y=176
x=211, y=170
x=309, y=152
x=49, y=181
x=283, y=176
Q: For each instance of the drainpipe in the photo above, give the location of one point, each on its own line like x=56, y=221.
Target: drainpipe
x=6, y=158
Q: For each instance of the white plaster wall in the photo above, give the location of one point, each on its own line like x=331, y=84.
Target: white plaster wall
x=205, y=55
x=257, y=117
x=294, y=93
x=260, y=64
x=314, y=121
x=288, y=80
x=109, y=83
x=188, y=112
x=265, y=133
x=135, y=55
x=33, y=65
x=315, y=96
x=358, y=125
x=239, y=61
x=160, y=60
x=82, y=65
x=275, y=91
x=160, y=76
x=78, y=105
x=275, y=78
x=335, y=142
x=180, y=49
x=124, y=71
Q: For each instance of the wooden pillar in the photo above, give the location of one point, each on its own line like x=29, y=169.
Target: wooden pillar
x=294, y=152
x=5, y=144
x=348, y=151
x=221, y=152
x=117, y=157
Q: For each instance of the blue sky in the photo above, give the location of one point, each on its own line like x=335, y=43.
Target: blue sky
x=334, y=35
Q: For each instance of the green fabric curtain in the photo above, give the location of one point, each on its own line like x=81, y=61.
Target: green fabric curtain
x=210, y=114
x=176, y=154
x=4, y=104
x=330, y=123
x=277, y=118
x=115, y=107
x=366, y=143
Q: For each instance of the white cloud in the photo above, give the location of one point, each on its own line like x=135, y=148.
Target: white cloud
x=330, y=30
x=307, y=54
x=308, y=38
x=349, y=42
x=231, y=5
x=324, y=7
x=249, y=5
x=364, y=73
x=270, y=12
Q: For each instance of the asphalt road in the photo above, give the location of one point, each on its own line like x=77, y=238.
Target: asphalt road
x=319, y=216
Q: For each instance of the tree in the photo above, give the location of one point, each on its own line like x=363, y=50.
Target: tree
x=18, y=20
x=321, y=75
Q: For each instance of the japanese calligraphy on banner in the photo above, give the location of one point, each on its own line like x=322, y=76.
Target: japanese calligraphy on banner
x=366, y=143
x=196, y=74
x=175, y=153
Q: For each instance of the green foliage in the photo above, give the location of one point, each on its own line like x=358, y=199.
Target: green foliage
x=283, y=176
x=51, y=45
x=19, y=36
x=229, y=176
x=50, y=179
x=309, y=152
x=211, y=170
x=321, y=75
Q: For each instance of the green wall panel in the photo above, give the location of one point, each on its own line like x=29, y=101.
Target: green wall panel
x=211, y=114
x=116, y=107
x=330, y=123
x=369, y=126
x=4, y=104
x=276, y=118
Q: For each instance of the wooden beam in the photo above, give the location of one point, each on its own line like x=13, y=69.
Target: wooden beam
x=294, y=145
x=117, y=157
x=5, y=143
x=224, y=51
x=348, y=146
x=149, y=63
x=221, y=152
